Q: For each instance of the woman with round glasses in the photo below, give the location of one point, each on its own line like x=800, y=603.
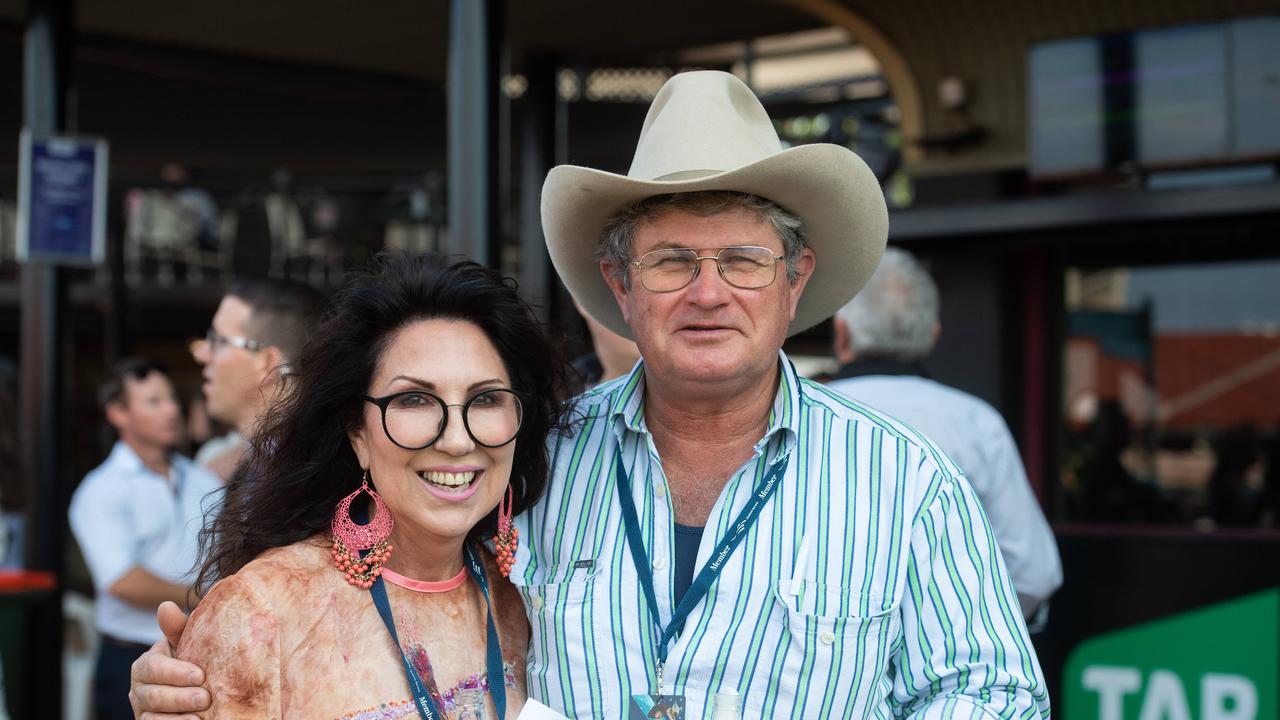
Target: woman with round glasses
x=350, y=577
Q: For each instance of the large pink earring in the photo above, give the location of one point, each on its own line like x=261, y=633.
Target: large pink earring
x=508, y=538
x=349, y=539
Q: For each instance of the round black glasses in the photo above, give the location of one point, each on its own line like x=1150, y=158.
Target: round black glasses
x=415, y=419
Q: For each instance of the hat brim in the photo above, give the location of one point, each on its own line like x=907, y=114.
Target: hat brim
x=828, y=187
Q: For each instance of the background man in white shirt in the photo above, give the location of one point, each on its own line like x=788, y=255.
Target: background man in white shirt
x=881, y=338
x=137, y=519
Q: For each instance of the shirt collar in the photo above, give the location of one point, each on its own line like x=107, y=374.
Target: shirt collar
x=626, y=407
x=123, y=457
x=786, y=404
x=879, y=366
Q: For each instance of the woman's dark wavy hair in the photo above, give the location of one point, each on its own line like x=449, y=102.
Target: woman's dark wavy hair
x=301, y=462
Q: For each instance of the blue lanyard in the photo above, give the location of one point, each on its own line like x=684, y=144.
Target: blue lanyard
x=427, y=709
x=709, y=572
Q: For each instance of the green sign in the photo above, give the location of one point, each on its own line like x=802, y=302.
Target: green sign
x=1220, y=662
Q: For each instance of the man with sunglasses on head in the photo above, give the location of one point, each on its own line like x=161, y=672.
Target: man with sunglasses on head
x=136, y=518
x=257, y=332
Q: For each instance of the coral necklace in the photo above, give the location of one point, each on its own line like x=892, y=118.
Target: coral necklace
x=452, y=583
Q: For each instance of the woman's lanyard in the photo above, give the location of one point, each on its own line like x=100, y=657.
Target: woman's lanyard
x=494, y=671
x=709, y=572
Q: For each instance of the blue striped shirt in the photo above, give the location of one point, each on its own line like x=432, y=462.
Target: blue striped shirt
x=902, y=606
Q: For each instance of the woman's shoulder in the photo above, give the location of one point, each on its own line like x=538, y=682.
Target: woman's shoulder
x=275, y=577
x=248, y=624
x=300, y=561
x=263, y=596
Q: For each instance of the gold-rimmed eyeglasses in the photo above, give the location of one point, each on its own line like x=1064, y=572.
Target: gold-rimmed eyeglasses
x=743, y=266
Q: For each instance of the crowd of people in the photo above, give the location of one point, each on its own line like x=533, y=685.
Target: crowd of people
x=137, y=517
x=425, y=510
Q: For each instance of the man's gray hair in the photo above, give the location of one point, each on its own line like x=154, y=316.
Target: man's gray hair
x=620, y=230
x=895, y=314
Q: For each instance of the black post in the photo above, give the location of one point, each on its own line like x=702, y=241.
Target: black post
x=475, y=35
x=116, y=309
x=44, y=295
x=537, y=153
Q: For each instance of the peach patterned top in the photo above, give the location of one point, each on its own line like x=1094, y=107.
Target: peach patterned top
x=287, y=637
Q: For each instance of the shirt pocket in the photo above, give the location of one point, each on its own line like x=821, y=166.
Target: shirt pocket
x=560, y=602
x=838, y=637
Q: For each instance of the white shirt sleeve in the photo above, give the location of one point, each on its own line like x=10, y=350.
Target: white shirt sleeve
x=965, y=652
x=104, y=529
x=1026, y=541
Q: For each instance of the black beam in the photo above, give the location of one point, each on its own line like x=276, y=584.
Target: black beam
x=475, y=33
x=1107, y=207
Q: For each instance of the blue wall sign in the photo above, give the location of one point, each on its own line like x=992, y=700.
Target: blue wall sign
x=62, y=196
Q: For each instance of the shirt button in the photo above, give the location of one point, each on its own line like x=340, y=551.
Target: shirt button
x=536, y=602
x=660, y=564
x=659, y=491
x=827, y=637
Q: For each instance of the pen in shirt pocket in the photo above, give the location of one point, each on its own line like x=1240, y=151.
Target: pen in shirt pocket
x=798, y=571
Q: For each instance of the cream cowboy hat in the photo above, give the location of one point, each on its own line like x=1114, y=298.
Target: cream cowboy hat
x=706, y=130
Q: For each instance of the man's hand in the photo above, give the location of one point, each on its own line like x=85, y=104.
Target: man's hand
x=162, y=687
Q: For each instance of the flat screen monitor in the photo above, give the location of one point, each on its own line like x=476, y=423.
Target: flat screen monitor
x=1165, y=98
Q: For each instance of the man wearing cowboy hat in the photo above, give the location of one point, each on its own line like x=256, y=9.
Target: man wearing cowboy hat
x=717, y=523
x=714, y=522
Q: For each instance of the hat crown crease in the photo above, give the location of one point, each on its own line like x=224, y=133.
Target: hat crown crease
x=702, y=122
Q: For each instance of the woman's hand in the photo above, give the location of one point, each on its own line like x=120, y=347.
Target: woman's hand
x=162, y=687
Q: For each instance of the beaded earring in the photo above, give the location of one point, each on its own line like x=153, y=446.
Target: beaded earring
x=349, y=539
x=508, y=538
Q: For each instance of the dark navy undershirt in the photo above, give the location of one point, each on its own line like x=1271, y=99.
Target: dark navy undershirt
x=687, y=541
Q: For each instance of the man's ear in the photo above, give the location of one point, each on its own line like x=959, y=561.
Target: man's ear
x=804, y=262
x=117, y=415
x=273, y=365
x=616, y=287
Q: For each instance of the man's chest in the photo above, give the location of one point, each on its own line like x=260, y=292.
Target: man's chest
x=693, y=497
x=156, y=514
x=786, y=625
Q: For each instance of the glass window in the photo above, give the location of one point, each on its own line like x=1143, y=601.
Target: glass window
x=1172, y=395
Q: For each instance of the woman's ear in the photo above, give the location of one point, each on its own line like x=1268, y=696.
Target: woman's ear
x=360, y=444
